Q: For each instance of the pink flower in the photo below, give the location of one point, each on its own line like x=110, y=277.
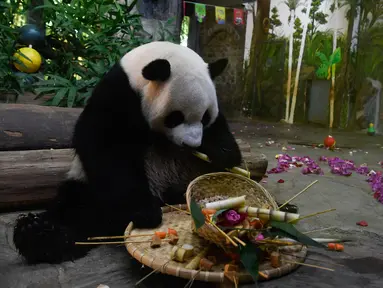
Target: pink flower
x=259, y=237
x=232, y=217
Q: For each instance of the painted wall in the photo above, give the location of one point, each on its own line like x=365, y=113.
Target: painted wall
x=338, y=19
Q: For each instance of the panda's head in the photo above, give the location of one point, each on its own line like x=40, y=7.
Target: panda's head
x=178, y=94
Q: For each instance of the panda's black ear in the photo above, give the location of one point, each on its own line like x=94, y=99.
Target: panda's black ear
x=217, y=67
x=157, y=70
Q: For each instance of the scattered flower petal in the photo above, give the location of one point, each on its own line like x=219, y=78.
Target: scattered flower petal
x=362, y=223
x=281, y=181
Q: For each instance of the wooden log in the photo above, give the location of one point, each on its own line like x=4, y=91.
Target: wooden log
x=28, y=179
x=33, y=127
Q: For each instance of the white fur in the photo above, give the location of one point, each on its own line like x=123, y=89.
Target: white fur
x=189, y=89
x=76, y=171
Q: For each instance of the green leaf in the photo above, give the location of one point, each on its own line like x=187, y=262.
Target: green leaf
x=322, y=71
x=216, y=214
x=290, y=229
x=59, y=96
x=45, y=89
x=322, y=57
x=71, y=96
x=336, y=57
x=196, y=213
x=249, y=258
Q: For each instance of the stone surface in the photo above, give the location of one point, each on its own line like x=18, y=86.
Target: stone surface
x=362, y=260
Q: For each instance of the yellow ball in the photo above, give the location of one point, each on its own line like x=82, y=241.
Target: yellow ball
x=32, y=64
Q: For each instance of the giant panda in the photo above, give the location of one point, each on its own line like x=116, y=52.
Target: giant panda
x=134, y=144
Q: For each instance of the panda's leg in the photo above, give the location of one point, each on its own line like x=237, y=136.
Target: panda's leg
x=119, y=186
x=219, y=144
x=49, y=236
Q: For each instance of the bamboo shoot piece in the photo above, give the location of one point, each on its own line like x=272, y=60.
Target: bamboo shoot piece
x=227, y=203
x=269, y=214
x=235, y=170
x=193, y=264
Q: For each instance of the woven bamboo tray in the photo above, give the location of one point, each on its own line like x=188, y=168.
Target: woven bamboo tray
x=159, y=258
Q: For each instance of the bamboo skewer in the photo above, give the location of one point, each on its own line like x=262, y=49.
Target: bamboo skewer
x=235, y=170
x=116, y=242
x=263, y=275
x=308, y=265
x=191, y=281
x=292, y=198
x=235, y=282
x=314, y=214
x=119, y=237
x=239, y=241
x=308, y=258
x=224, y=234
x=152, y=272
x=178, y=209
x=319, y=230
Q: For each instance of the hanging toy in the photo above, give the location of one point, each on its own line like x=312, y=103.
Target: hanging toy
x=31, y=64
x=329, y=142
x=371, y=129
x=30, y=34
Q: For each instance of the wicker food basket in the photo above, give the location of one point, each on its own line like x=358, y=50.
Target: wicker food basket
x=226, y=184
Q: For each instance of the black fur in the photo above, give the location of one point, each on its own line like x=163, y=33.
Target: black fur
x=157, y=70
x=111, y=138
x=217, y=67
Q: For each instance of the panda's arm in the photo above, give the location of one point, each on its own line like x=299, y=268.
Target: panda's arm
x=219, y=144
x=111, y=138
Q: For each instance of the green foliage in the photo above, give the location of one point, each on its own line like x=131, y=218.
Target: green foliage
x=324, y=70
x=10, y=83
x=297, y=37
x=288, y=230
x=317, y=17
x=196, y=213
x=87, y=38
x=274, y=21
x=249, y=256
x=165, y=31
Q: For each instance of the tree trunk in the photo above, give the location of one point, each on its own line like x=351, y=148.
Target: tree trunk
x=290, y=66
x=296, y=85
x=332, y=90
x=260, y=33
x=341, y=105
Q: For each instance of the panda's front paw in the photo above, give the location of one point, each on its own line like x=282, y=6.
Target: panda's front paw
x=148, y=217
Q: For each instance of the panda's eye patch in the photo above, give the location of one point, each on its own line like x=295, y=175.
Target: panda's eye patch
x=206, y=118
x=174, y=119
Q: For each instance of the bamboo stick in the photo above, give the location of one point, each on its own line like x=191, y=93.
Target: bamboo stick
x=235, y=170
x=291, y=199
x=239, y=241
x=118, y=237
x=178, y=209
x=224, y=234
x=319, y=230
x=313, y=214
x=308, y=265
